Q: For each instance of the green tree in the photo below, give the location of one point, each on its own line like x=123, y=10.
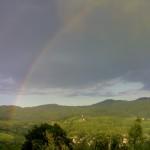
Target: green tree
x=136, y=135
x=47, y=137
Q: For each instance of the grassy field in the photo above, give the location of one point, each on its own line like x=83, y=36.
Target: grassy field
x=14, y=131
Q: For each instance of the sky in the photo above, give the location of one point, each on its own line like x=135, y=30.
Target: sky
x=73, y=52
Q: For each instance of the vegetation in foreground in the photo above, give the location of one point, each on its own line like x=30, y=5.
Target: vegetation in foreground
x=46, y=136
x=53, y=137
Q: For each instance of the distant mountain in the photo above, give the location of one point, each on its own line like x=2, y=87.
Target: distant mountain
x=139, y=107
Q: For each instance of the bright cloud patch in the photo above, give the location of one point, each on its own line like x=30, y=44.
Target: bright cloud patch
x=115, y=87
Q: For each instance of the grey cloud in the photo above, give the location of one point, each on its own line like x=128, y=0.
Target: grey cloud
x=142, y=75
x=109, y=88
x=7, y=85
x=24, y=32
x=108, y=42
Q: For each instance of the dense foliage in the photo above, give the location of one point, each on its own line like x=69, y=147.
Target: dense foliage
x=47, y=137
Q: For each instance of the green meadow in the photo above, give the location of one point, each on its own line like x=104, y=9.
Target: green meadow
x=12, y=132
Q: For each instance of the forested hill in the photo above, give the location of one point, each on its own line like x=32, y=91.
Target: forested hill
x=139, y=107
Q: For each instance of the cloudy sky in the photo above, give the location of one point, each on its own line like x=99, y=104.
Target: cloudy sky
x=73, y=52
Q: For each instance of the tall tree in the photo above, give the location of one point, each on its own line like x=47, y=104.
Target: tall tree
x=136, y=135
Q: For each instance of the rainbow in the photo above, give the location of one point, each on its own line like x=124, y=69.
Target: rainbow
x=69, y=26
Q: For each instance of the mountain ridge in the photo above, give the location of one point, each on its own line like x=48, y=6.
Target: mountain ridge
x=109, y=107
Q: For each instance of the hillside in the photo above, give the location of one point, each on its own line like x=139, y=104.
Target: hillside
x=139, y=107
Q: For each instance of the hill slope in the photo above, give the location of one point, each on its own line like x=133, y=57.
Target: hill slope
x=139, y=107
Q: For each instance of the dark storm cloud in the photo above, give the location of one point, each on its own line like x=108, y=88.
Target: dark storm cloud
x=109, y=42
x=25, y=26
